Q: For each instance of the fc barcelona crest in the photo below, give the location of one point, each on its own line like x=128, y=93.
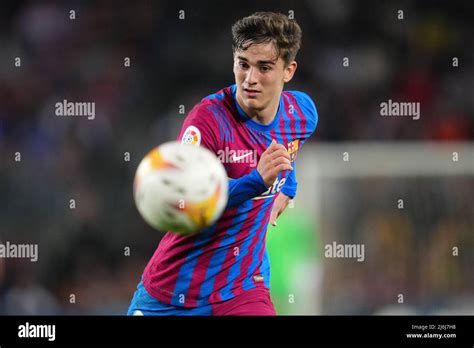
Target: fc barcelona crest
x=293, y=147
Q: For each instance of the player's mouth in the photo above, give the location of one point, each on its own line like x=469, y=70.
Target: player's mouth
x=251, y=93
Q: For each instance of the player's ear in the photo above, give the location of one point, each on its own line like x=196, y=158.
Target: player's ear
x=235, y=62
x=290, y=71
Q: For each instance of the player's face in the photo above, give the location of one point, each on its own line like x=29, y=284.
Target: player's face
x=260, y=77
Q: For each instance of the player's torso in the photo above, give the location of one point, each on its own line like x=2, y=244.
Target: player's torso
x=243, y=143
x=230, y=255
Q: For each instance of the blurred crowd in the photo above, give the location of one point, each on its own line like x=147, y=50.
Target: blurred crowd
x=70, y=192
x=421, y=249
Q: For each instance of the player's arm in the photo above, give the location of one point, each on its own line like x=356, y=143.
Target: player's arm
x=291, y=185
x=245, y=188
x=200, y=128
x=273, y=160
x=287, y=193
x=310, y=113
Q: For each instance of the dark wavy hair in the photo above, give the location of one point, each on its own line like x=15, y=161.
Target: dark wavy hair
x=263, y=27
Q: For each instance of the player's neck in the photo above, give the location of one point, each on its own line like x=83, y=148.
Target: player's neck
x=265, y=116
x=262, y=117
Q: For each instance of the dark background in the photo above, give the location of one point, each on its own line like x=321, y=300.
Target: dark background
x=177, y=62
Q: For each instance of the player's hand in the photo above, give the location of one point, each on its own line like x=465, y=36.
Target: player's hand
x=274, y=160
x=280, y=204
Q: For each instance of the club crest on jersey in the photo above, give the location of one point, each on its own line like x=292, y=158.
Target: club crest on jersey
x=191, y=136
x=293, y=148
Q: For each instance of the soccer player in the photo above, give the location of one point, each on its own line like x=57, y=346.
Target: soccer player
x=256, y=129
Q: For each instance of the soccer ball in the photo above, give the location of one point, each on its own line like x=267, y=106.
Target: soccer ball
x=180, y=188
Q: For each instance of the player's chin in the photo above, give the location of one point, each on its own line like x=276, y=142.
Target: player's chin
x=253, y=103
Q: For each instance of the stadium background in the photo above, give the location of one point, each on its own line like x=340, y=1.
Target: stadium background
x=176, y=62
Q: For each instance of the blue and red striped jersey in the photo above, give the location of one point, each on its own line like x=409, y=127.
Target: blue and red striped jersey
x=230, y=257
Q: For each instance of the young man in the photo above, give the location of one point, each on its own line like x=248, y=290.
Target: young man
x=224, y=269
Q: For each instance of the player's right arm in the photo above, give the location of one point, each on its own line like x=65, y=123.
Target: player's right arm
x=273, y=160
x=200, y=128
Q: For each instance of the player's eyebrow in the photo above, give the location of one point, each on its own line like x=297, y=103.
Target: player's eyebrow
x=260, y=62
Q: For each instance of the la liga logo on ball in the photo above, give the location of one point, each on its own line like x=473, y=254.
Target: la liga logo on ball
x=180, y=188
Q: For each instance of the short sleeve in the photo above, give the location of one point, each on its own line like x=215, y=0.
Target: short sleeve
x=199, y=128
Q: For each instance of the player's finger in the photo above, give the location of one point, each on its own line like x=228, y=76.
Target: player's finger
x=280, y=160
x=273, y=218
x=280, y=153
x=279, y=147
x=283, y=166
x=272, y=147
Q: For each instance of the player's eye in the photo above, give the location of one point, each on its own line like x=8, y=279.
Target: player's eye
x=265, y=68
x=243, y=65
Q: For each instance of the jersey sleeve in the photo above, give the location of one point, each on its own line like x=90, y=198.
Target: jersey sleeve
x=310, y=113
x=201, y=129
x=245, y=188
x=291, y=185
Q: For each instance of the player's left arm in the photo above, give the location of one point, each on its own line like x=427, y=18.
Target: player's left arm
x=288, y=191
x=280, y=204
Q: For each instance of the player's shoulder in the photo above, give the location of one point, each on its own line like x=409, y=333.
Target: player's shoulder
x=306, y=104
x=217, y=98
x=210, y=106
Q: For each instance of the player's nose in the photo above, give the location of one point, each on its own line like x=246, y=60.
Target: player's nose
x=251, y=77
